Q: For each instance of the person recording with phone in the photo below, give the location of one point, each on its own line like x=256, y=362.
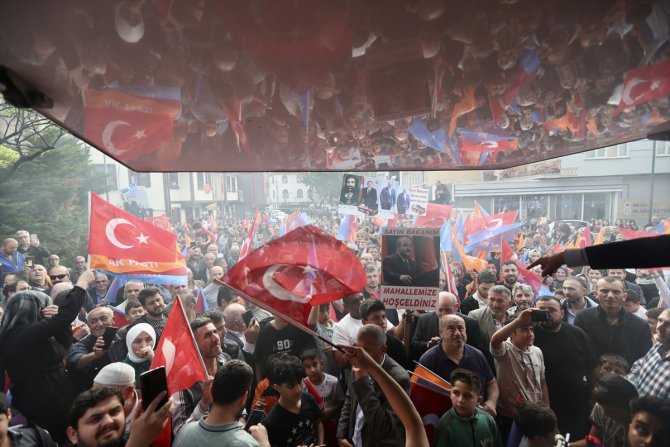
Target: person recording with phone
x=87, y=357
x=520, y=366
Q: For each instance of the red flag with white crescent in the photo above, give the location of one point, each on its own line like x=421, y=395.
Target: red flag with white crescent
x=304, y=268
x=249, y=240
x=643, y=84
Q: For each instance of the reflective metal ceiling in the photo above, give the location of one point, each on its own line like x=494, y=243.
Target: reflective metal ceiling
x=268, y=85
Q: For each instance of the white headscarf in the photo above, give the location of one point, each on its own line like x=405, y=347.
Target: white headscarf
x=133, y=333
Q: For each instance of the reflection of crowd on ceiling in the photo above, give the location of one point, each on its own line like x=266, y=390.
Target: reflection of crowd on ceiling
x=298, y=76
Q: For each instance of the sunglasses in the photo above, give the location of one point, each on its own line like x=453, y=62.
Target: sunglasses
x=55, y=277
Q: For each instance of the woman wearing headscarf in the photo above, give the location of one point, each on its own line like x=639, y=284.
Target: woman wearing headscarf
x=140, y=341
x=32, y=346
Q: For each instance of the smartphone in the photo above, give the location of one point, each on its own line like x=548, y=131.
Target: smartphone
x=255, y=417
x=152, y=383
x=247, y=317
x=108, y=336
x=539, y=315
x=30, y=261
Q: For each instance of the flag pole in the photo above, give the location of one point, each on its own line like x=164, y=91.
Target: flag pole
x=276, y=313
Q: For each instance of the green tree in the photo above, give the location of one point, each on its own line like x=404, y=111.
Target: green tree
x=323, y=187
x=45, y=190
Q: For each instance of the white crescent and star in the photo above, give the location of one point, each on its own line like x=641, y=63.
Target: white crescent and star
x=108, y=133
x=110, y=232
x=625, y=97
x=490, y=144
x=280, y=292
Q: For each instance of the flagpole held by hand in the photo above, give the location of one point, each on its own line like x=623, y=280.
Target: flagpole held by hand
x=284, y=317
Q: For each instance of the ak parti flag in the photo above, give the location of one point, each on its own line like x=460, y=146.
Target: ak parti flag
x=122, y=243
x=436, y=216
x=304, y=268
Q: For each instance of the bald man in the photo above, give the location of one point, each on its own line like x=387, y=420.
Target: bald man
x=427, y=327
x=453, y=352
x=87, y=357
x=11, y=260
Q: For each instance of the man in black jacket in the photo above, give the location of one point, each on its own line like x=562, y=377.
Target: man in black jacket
x=427, y=332
x=610, y=327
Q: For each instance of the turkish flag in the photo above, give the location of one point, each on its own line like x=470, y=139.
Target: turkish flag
x=492, y=221
x=629, y=234
x=584, y=239
x=127, y=126
x=507, y=252
x=161, y=221
x=643, y=84
x=178, y=353
x=436, y=216
x=117, y=234
x=304, y=268
x=528, y=277
x=248, y=241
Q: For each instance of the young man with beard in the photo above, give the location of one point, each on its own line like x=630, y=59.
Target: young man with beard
x=152, y=300
x=97, y=419
x=480, y=298
x=575, y=299
x=509, y=275
x=568, y=360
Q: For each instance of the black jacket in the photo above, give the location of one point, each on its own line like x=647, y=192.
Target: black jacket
x=629, y=337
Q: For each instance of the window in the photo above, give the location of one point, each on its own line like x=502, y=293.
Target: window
x=173, y=180
x=274, y=195
x=204, y=178
x=108, y=172
x=298, y=194
x=617, y=151
x=139, y=179
x=663, y=148
x=284, y=178
x=284, y=194
x=231, y=183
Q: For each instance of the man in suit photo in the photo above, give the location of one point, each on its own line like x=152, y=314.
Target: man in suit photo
x=399, y=268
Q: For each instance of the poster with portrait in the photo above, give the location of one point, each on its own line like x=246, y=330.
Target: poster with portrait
x=410, y=268
x=351, y=195
x=418, y=202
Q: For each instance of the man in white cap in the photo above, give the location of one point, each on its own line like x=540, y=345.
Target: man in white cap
x=121, y=376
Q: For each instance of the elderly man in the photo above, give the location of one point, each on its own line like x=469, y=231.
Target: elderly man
x=493, y=317
x=87, y=357
x=367, y=418
x=212, y=290
x=453, y=353
x=427, y=332
x=237, y=331
x=38, y=278
x=651, y=373
x=28, y=247
x=99, y=290
x=79, y=267
x=399, y=268
x=610, y=327
x=11, y=260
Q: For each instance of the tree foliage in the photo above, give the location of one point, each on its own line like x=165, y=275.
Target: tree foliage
x=324, y=187
x=45, y=176
x=28, y=135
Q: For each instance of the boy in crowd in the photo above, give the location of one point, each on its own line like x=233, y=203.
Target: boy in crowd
x=324, y=388
x=650, y=424
x=465, y=424
x=612, y=364
x=537, y=424
x=296, y=419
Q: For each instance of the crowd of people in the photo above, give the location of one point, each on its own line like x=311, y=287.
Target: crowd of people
x=588, y=357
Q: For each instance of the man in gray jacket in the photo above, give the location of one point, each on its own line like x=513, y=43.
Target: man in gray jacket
x=367, y=418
